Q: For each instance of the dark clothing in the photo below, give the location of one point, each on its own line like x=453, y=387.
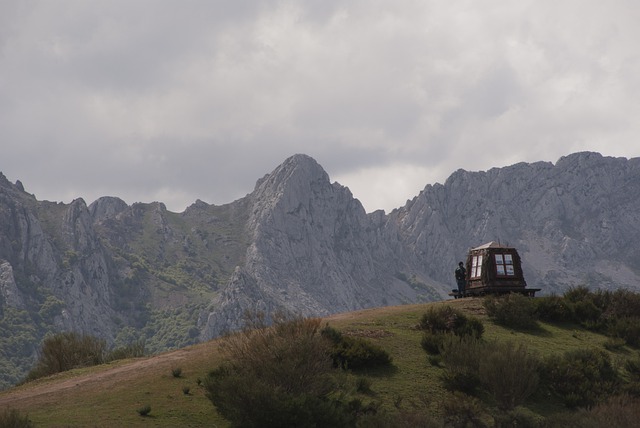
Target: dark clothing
x=461, y=279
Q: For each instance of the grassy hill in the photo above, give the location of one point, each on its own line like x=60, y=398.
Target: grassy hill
x=110, y=395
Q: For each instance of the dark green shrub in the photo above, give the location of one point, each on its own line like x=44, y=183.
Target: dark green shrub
x=133, y=350
x=432, y=342
x=587, y=313
x=581, y=378
x=461, y=357
x=363, y=385
x=632, y=366
x=14, y=419
x=554, y=309
x=439, y=321
x=186, y=390
x=510, y=372
x=176, y=372
x=446, y=319
x=280, y=376
x=461, y=410
x=622, y=304
x=355, y=353
x=577, y=294
x=512, y=310
x=626, y=328
x=618, y=411
x=144, y=410
x=614, y=344
x=66, y=351
x=520, y=417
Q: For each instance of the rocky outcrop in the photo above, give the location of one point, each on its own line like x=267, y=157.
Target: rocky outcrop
x=315, y=251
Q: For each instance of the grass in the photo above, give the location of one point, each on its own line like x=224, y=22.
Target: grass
x=110, y=395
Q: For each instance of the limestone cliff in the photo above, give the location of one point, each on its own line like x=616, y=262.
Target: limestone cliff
x=300, y=243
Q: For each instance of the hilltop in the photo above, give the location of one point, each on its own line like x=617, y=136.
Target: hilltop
x=109, y=395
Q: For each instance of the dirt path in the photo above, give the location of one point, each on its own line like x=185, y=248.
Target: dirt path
x=29, y=394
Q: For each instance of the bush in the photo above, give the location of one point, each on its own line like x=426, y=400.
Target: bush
x=432, y=342
x=355, y=353
x=133, y=350
x=521, y=417
x=279, y=376
x=14, y=419
x=554, y=309
x=176, y=372
x=144, y=410
x=513, y=311
x=581, y=378
x=619, y=412
x=461, y=410
x=510, y=372
x=439, y=321
x=446, y=319
x=66, y=351
x=626, y=328
x=461, y=357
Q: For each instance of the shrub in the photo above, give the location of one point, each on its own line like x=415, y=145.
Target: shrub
x=279, y=376
x=432, y=342
x=581, y=378
x=626, y=328
x=446, y=319
x=614, y=344
x=510, y=372
x=14, y=419
x=461, y=410
x=355, y=353
x=512, y=310
x=66, y=351
x=623, y=303
x=461, y=357
x=144, y=410
x=441, y=320
x=133, y=350
x=521, y=417
x=553, y=309
x=363, y=385
x=618, y=411
x=186, y=390
x=176, y=372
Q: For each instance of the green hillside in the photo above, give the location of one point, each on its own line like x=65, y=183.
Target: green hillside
x=111, y=395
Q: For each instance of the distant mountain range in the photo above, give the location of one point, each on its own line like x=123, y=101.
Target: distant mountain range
x=302, y=244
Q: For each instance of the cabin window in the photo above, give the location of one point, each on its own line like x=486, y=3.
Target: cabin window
x=504, y=265
x=476, y=266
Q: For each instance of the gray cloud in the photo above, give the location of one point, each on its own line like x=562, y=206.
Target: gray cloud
x=175, y=101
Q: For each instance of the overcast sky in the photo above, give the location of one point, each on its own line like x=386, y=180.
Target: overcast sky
x=174, y=101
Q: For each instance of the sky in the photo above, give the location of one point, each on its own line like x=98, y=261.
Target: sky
x=174, y=101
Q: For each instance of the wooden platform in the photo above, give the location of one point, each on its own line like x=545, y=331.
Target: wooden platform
x=484, y=291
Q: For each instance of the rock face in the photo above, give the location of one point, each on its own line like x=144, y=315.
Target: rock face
x=302, y=244
x=314, y=251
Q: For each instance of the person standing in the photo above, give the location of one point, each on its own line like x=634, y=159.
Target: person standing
x=461, y=279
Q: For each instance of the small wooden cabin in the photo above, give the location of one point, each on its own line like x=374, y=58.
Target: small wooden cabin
x=493, y=268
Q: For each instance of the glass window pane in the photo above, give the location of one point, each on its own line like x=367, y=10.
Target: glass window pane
x=508, y=259
x=499, y=260
x=479, y=269
x=510, y=270
x=500, y=269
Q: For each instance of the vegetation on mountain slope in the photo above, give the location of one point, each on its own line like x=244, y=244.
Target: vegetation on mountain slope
x=555, y=374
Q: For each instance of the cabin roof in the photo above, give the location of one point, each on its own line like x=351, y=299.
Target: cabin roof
x=491, y=244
